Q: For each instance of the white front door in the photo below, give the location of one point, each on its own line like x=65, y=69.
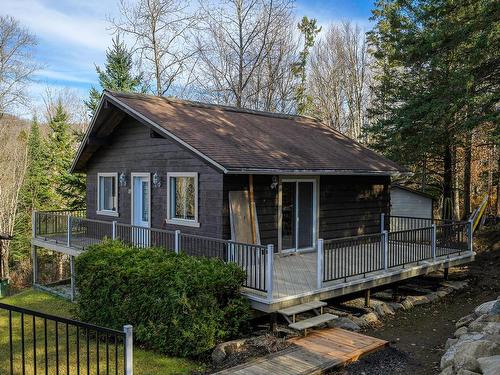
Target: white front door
x=141, y=202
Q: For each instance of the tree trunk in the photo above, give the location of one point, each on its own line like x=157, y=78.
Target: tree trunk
x=447, y=209
x=467, y=174
x=4, y=260
x=497, y=212
x=456, y=186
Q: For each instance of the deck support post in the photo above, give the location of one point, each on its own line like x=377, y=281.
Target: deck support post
x=113, y=230
x=385, y=246
x=129, y=350
x=382, y=222
x=273, y=322
x=319, y=264
x=34, y=265
x=177, y=241
x=433, y=242
x=367, y=297
x=69, y=229
x=269, y=271
x=72, y=277
x=446, y=270
x=470, y=230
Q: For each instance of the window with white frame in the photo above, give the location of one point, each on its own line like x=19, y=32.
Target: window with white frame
x=107, y=193
x=183, y=198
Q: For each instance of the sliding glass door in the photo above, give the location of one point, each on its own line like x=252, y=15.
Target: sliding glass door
x=298, y=214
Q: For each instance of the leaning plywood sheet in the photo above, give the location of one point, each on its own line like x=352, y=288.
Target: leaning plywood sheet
x=241, y=217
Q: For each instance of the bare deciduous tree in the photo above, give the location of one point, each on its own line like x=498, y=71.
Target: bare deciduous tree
x=16, y=62
x=340, y=78
x=160, y=30
x=12, y=169
x=242, y=55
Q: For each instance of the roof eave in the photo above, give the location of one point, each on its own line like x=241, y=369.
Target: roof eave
x=298, y=172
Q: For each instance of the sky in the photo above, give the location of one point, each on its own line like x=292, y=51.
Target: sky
x=73, y=35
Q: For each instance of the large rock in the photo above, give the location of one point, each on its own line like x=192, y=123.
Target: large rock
x=465, y=321
x=224, y=349
x=407, y=304
x=450, y=343
x=382, y=309
x=485, y=308
x=447, y=371
x=489, y=365
x=370, y=318
x=418, y=300
x=467, y=372
x=495, y=310
x=461, y=331
x=467, y=353
x=344, y=323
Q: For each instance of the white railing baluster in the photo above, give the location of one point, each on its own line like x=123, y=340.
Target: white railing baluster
x=319, y=264
x=269, y=271
x=113, y=230
x=129, y=349
x=177, y=241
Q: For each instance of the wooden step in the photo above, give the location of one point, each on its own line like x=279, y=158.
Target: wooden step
x=313, y=322
x=298, y=309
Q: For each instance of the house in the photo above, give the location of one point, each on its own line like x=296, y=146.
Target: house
x=411, y=203
x=299, y=206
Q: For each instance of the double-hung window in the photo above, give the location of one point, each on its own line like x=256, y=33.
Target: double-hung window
x=183, y=198
x=107, y=194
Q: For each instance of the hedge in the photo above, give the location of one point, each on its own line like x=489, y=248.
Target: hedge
x=178, y=305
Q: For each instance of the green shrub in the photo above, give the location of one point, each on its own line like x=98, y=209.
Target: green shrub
x=178, y=305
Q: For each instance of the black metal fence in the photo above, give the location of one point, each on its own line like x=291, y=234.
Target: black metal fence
x=452, y=238
x=409, y=246
x=32, y=342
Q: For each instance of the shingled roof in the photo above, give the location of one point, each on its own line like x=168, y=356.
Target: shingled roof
x=242, y=141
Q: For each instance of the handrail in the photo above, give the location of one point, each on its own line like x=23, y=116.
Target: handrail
x=478, y=213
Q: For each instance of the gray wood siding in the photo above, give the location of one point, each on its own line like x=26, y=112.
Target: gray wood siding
x=132, y=149
x=351, y=205
x=406, y=203
x=266, y=202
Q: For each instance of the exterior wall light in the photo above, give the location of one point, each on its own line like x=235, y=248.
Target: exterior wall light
x=122, y=179
x=156, y=180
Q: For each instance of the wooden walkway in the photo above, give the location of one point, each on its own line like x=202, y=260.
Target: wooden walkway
x=313, y=354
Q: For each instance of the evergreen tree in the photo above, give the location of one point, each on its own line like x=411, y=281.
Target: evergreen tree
x=68, y=189
x=309, y=30
x=117, y=74
x=435, y=67
x=35, y=193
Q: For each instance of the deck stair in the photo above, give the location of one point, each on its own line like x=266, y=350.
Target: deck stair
x=291, y=313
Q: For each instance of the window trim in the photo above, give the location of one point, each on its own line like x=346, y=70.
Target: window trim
x=176, y=221
x=99, y=211
x=145, y=175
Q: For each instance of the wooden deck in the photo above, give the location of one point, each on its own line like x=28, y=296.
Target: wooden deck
x=313, y=354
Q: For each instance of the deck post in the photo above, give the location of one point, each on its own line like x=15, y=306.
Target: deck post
x=269, y=271
x=113, y=230
x=319, y=264
x=470, y=231
x=368, y=298
x=129, y=349
x=385, y=245
x=34, y=260
x=177, y=241
x=382, y=222
x=69, y=229
x=433, y=242
x=72, y=276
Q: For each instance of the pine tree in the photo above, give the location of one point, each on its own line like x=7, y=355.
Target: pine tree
x=68, y=189
x=309, y=30
x=117, y=74
x=35, y=193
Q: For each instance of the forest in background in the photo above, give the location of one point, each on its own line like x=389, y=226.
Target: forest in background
x=420, y=87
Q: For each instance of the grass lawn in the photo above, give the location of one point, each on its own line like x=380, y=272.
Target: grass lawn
x=145, y=362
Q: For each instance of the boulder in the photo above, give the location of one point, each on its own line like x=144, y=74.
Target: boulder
x=490, y=365
x=447, y=371
x=224, y=349
x=395, y=306
x=418, y=300
x=492, y=328
x=485, y=308
x=442, y=293
x=467, y=372
x=495, y=310
x=344, y=323
x=360, y=322
x=461, y=331
x=450, y=343
x=467, y=353
x=382, y=309
x=370, y=318
x=478, y=324
x=407, y=304
x=465, y=321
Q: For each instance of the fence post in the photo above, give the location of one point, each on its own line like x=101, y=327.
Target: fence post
x=113, y=230
x=470, y=231
x=385, y=242
x=382, y=222
x=269, y=271
x=33, y=224
x=129, y=350
x=177, y=241
x=70, y=225
x=34, y=257
x=433, y=242
x=319, y=264
x=72, y=276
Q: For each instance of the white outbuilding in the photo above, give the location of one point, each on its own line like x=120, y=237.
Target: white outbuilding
x=411, y=203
